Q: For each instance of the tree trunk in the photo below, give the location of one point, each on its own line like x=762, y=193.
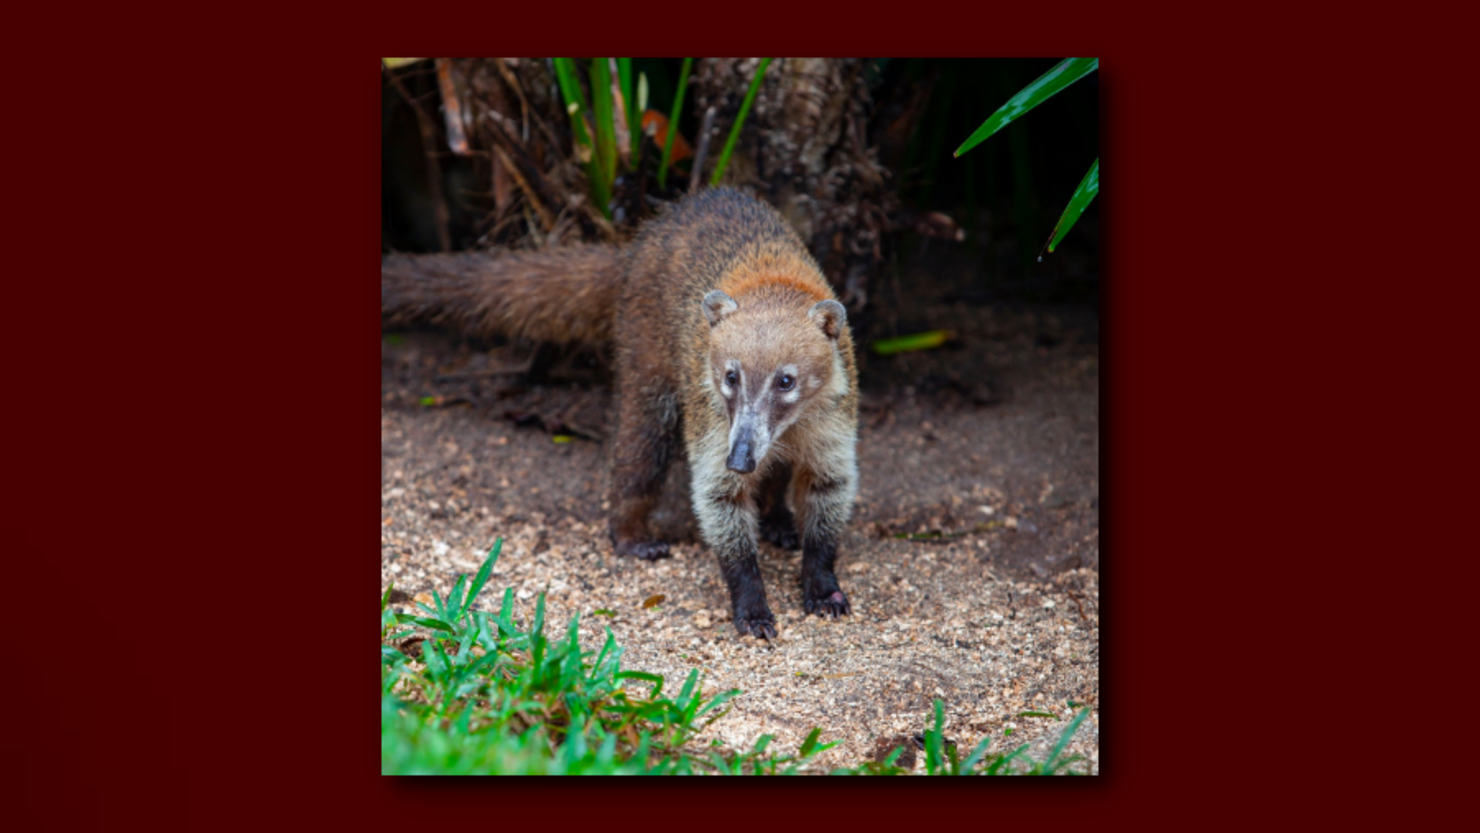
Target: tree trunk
x=816, y=144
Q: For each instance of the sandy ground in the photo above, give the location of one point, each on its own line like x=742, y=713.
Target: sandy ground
x=994, y=442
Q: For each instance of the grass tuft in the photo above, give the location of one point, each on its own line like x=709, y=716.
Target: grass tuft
x=487, y=694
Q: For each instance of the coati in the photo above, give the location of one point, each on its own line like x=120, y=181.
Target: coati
x=725, y=332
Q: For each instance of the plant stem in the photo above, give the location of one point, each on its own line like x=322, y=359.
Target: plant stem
x=724, y=155
x=683, y=86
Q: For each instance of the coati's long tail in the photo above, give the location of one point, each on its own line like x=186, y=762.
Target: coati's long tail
x=561, y=295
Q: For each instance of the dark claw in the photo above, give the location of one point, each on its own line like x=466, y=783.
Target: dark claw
x=646, y=550
x=763, y=626
x=782, y=536
x=835, y=604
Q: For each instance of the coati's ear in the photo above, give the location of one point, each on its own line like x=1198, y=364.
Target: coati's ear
x=830, y=316
x=717, y=305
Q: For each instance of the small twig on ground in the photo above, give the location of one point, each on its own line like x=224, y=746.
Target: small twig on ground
x=1075, y=597
x=705, y=131
x=546, y=219
x=452, y=108
x=528, y=115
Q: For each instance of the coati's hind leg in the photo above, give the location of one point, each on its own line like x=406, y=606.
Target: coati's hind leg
x=643, y=446
x=777, y=523
x=825, y=500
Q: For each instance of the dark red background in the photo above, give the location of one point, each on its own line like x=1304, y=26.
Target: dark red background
x=230, y=192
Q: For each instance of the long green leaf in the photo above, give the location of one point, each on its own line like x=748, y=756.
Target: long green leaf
x=424, y=621
x=1062, y=75
x=575, y=106
x=1064, y=739
x=483, y=572
x=575, y=101
x=455, y=598
x=683, y=86
x=629, y=100
x=1088, y=188
x=724, y=156
x=976, y=755
x=603, y=115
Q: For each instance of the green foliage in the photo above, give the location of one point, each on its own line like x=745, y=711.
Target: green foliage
x=683, y=86
x=603, y=113
x=1049, y=84
x=599, y=153
x=917, y=341
x=491, y=696
x=724, y=157
x=575, y=107
x=941, y=756
x=1088, y=188
x=488, y=695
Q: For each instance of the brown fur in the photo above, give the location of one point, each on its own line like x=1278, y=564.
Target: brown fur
x=560, y=295
x=776, y=323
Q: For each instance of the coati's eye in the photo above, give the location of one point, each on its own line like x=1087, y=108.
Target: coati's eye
x=732, y=378
x=786, y=382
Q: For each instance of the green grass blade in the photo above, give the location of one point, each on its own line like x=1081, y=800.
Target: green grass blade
x=810, y=742
x=655, y=679
x=976, y=755
x=1050, y=83
x=484, y=572
x=537, y=633
x=424, y=621
x=575, y=107
x=918, y=341
x=1005, y=759
x=455, y=598
x=933, y=742
x=386, y=599
x=603, y=116
x=1088, y=188
x=683, y=86
x=506, y=612
x=575, y=101
x=718, y=700
x=724, y=156
x=1064, y=739
x=688, y=686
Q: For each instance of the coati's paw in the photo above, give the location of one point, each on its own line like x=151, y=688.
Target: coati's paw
x=646, y=550
x=757, y=622
x=827, y=604
x=781, y=531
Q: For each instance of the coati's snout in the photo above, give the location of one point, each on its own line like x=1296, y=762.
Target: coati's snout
x=742, y=457
x=770, y=360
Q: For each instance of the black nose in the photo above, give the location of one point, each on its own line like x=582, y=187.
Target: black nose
x=742, y=457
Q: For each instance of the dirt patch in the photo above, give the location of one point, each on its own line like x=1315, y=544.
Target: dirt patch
x=971, y=561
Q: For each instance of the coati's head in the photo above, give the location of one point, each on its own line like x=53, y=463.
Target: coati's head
x=771, y=358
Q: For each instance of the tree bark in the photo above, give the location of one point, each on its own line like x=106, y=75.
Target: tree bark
x=816, y=144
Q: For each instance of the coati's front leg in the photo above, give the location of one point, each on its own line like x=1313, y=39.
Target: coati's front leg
x=825, y=500
x=726, y=510
x=642, y=448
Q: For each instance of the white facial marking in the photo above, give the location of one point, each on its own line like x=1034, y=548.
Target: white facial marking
x=724, y=386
